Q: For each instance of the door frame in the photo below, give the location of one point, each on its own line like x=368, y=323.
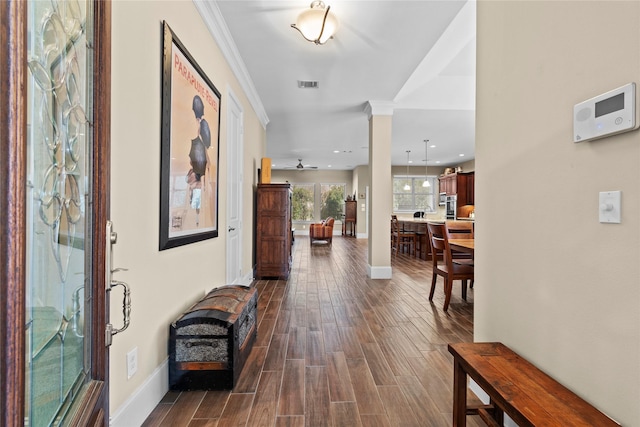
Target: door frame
x=93, y=408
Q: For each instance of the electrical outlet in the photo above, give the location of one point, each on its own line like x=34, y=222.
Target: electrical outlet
x=132, y=362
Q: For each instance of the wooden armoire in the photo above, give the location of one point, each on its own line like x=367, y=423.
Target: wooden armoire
x=273, y=231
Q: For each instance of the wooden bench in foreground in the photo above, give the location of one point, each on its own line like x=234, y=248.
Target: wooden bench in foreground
x=516, y=387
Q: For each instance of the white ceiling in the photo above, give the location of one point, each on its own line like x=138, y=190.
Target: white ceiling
x=418, y=55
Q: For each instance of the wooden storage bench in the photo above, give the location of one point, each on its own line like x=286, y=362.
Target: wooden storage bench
x=516, y=387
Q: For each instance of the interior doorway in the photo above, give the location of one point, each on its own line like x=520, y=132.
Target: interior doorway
x=235, y=173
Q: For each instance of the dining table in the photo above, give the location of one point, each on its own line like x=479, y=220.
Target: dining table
x=462, y=245
x=465, y=246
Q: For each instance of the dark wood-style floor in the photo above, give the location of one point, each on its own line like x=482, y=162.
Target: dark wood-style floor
x=335, y=348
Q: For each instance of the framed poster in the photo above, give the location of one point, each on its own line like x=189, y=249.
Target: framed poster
x=190, y=148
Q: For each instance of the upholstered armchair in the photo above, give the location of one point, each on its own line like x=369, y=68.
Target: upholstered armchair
x=322, y=231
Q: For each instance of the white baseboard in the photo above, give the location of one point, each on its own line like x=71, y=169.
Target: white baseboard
x=247, y=279
x=379, y=272
x=143, y=401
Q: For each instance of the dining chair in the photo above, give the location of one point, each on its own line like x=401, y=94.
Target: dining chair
x=445, y=267
x=460, y=230
x=402, y=238
x=393, y=218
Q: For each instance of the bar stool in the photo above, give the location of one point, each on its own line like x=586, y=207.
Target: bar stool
x=401, y=237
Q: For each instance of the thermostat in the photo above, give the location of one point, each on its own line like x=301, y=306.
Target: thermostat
x=607, y=114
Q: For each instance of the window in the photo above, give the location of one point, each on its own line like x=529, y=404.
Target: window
x=303, y=202
x=418, y=198
x=332, y=200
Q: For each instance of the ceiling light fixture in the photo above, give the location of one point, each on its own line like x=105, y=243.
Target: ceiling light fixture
x=426, y=182
x=407, y=187
x=317, y=24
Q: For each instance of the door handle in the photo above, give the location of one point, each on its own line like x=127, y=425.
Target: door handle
x=110, y=331
x=76, y=312
x=231, y=228
x=126, y=309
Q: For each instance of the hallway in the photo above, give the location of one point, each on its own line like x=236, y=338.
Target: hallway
x=335, y=348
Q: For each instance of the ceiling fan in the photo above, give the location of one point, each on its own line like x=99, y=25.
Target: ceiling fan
x=300, y=166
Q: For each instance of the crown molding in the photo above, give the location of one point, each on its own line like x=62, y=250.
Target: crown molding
x=212, y=17
x=379, y=108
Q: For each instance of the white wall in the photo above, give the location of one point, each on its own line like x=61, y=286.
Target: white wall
x=552, y=282
x=163, y=283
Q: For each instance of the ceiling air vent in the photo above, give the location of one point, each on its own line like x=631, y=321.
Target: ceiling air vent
x=307, y=84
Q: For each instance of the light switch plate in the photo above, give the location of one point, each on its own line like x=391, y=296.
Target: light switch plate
x=609, y=207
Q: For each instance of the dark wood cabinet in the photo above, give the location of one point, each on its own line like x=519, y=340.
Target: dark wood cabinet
x=471, y=189
x=458, y=184
x=462, y=186
x=350, y=217
x=449, y=184
x=273, y=231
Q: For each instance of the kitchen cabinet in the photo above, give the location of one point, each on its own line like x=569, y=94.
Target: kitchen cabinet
x=449, y=184
x=471, y=189
x=457, y=184
x=460, y=184
x=273, y=231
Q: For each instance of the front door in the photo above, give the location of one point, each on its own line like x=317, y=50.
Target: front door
x=54, y=166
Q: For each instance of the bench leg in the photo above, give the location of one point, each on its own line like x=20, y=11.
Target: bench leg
x=459, y=395
x=498, y=415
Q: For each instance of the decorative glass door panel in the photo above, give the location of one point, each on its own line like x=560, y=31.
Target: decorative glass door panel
x=58, y=241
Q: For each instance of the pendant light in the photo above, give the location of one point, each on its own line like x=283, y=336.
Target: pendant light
x=426, y=182
x=407, y=187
